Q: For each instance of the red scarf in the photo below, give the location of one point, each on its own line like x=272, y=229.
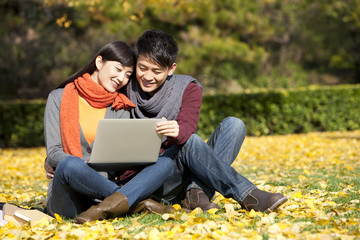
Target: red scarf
x=96, y=96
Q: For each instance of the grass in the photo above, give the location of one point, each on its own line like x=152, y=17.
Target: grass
x=318, y=172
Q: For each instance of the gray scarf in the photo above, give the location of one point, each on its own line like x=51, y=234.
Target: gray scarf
x=166, y=102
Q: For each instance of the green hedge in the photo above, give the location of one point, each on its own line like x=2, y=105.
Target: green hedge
x=266, y=112
x=21, y=123
x=308, y=109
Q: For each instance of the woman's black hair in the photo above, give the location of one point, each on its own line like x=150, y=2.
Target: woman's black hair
x=114, y=51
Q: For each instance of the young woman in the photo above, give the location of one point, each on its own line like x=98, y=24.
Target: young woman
x=71, y=116
x=201, y=168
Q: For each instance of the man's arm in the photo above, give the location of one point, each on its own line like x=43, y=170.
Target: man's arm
x=188, y=116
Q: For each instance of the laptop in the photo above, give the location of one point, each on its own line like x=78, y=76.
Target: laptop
x=125, y=144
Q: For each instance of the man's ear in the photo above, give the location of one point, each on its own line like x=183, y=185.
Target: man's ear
x=98, y=62
x=172, y=69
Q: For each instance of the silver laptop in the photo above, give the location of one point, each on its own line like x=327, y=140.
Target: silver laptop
x=125, y=144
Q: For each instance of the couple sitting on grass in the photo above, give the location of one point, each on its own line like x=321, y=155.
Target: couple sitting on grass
x=121, y=83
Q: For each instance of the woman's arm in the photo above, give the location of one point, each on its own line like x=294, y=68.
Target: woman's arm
x=52, y=135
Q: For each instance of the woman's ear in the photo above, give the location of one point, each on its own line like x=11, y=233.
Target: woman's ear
x=172, y=69
x=98, y=62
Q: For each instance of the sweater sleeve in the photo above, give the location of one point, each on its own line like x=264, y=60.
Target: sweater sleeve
x=54, y=148
x=188, y=116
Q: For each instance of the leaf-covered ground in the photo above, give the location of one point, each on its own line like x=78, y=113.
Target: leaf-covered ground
x=318, y=172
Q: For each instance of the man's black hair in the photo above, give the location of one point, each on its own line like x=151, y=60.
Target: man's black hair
x=157, y=46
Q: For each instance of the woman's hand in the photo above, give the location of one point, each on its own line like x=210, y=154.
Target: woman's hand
x=169, y=128
x=49, y=170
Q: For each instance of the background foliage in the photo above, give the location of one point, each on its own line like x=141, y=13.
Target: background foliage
x=263, y=112
x=229, y=45
x=282, y=112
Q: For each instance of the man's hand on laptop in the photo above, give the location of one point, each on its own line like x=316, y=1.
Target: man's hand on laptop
x=169, y=128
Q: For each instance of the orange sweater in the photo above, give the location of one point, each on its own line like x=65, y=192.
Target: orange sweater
x=89, y=118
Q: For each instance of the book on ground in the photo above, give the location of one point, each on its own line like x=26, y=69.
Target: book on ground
x=20, y=216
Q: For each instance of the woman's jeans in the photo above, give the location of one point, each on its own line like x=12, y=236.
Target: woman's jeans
x=76, y=185
x=207, y=165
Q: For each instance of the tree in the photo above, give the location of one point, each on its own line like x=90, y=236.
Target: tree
x=262, y=43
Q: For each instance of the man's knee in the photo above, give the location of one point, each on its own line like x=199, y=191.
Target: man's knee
x=193, y=139
x=235, y=124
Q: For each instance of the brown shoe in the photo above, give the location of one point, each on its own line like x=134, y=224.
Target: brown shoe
x=151, y=206
x=263, y=201
x=196, y=197
x=110, y=207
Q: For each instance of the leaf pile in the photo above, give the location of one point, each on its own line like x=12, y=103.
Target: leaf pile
x=318, y=172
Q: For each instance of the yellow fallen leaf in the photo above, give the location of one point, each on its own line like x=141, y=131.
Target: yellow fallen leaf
x=297, y=195
x=252, y=213
x=184, y=217
x=154, y=234
x=177, y=206
x=322, y=222
x=109, y=228
x=43, y=222
x=58, y=218
x=212, y=211
x=331, y=203
x=302, y=177
x=230, y=210
x=310, y=203
x=167, y=216
x=196, y=211
x=350, y=168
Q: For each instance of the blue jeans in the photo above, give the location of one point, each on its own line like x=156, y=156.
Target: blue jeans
x=208, y=165
x=76, y=185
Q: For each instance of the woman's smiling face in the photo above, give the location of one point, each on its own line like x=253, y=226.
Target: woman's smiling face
x=111, y=75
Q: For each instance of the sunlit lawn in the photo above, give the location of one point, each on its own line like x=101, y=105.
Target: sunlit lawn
x=318, y=172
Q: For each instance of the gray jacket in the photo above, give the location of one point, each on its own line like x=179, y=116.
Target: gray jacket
x=54, y=148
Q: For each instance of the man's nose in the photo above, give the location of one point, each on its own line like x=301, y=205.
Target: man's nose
x=148, y=75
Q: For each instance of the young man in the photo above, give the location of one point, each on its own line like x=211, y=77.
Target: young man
x=200, y=168
x=158, y=93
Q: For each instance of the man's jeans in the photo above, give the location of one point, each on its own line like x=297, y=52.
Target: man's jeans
x=207, y=165
x=76, y=185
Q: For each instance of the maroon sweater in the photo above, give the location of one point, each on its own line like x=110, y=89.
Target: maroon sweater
x=188, y=116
